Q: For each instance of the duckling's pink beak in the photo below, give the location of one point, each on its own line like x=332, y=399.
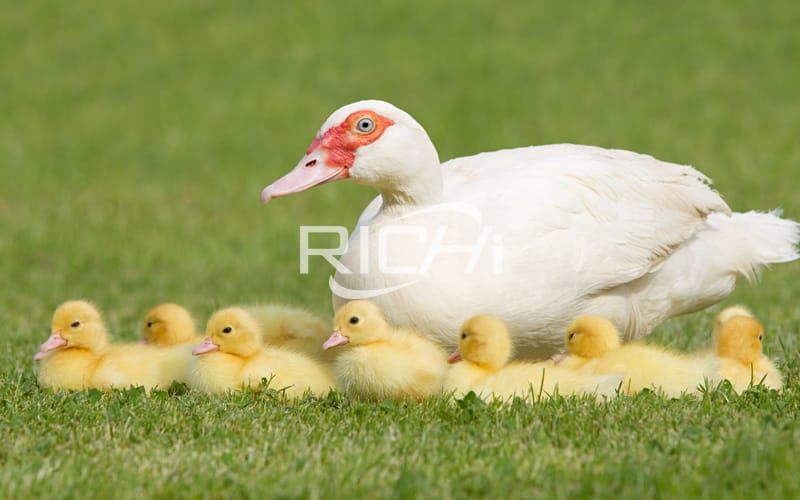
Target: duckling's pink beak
x=335, y=339
x=54, y=342
x=311, y=171
x=558, y=358
x=205, y=347
x=455, y=357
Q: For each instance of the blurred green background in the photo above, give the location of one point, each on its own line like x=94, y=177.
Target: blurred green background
x=135, y=137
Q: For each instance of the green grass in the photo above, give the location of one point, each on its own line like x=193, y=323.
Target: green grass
x=135, y=138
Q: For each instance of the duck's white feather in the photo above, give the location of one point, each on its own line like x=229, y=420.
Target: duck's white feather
x=573, y=230
x=580, y=230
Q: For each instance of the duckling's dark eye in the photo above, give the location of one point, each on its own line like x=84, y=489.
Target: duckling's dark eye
x=75, y=324
x=759, y=337
x=354, y=320
x=149, y=324
x=571, y=335
x=463, y=335
x=365, y=125
x=227, y=329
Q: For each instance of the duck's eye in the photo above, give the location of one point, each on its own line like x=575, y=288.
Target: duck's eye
x=354, y=320
x=571, y=336
x=759, y=338
x=365, y=125
x=227, y=329
x=463, y=335
x=149, y=324
x=75, y=324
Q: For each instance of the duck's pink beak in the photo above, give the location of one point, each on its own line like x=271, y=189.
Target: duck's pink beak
x=53, y=342
x=335, y=339
x=205, y=347
x=558, y=358
x=455, y=357
x=311, y=171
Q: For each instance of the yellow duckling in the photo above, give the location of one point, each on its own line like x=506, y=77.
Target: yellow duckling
x=233, y=356
x=484, y=348
x=78, y=355
x=170, y=324
x=68, y=358
x=709, y=354
x=292, y=328
x=481, y=364
x=382, y=362
x=593, y=346
x=740, y=350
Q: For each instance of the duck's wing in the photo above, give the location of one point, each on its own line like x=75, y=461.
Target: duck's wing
x=609, y=216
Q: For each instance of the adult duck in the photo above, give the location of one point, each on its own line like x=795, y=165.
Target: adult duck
x=536, y=236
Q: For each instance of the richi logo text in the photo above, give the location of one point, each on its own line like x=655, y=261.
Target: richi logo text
x=434, y=236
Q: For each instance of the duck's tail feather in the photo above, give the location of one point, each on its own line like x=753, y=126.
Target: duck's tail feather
x=704, y=270
x=751, y=240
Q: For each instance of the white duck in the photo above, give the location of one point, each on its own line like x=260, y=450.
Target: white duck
x=536, y=235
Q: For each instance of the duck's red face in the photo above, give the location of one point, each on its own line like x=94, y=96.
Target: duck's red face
x=331, y=154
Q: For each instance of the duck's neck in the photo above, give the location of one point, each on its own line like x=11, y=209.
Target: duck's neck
x=100, y=343
x=248, y=351
x=419, y=191
x=465, y=375
x=487, y=367
x=411, y=176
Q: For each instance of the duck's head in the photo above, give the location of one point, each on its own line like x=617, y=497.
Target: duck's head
x=483, y=340
x=591, y=337
x=77, y=324
x=168, y=324
x=359, y=322
x=371, y=142
x=728, y=313
x=740, y=338
x=232, y=331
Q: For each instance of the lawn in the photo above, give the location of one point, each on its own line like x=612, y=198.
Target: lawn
x=135, y=139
